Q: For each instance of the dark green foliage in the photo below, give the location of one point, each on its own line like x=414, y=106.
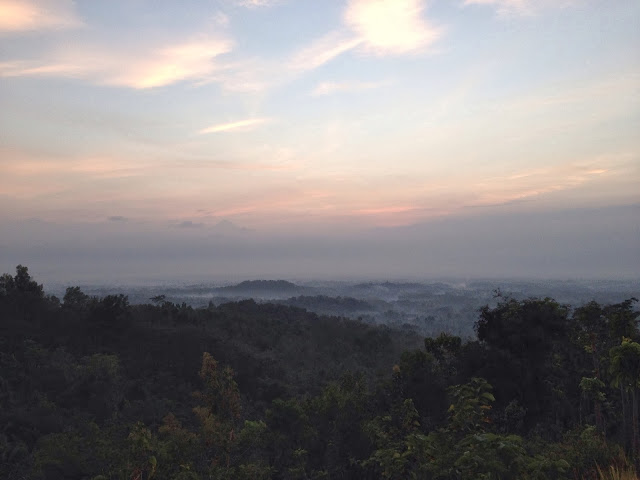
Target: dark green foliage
x=329, y=305
x=529, y=345
x=24, y=285
x=98, y=388
x=75, y=299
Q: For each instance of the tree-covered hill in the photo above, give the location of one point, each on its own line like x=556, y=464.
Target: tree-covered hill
x=275, y=288
x=94, y=388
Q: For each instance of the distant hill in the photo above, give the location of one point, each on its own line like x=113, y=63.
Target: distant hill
x=389, y=286
x=262, y=287
x=329, y=305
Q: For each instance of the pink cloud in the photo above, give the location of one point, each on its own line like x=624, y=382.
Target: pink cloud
x=35, y=15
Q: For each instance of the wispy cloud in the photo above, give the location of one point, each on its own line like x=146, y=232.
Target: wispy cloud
x=35, y=15
x=220, y=19
x=225, y=127
x=328, y=88
x=623, y=84
x=521, y=7
x=532, y=184
x=385, y=210
x=134, y=68
x=255, y=3
x=390, y=26
x=190, y=224
x=323, y=50
x=379, y=27
x=27, y=166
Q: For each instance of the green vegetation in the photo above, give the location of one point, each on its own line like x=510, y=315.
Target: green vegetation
x=96, y=388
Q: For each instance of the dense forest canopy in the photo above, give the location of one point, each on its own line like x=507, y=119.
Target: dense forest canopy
x=98, y=388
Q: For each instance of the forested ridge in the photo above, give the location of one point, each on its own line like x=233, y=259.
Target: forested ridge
x=96, y=388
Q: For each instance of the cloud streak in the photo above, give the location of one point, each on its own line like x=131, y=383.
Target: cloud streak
x=323, y=50
x=255, y=3
x=390, y=27
x=239, y=125
x=33, y=15
x=329, y=88
x=378, y=27
x=134, y=68
x=53, y=186
x=510, y=8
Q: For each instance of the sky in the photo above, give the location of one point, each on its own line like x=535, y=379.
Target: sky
x=320, y=138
